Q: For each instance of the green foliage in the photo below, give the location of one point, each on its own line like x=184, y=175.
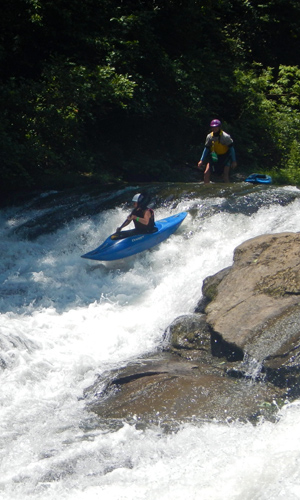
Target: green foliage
x=127, y=89
x=286, y=92
x=291, y=173
x=48, y=121
x=271, y=116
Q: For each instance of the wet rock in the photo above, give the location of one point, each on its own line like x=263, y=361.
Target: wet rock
x=189, y=337
x=170, y=391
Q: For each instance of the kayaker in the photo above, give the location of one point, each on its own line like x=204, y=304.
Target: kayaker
x=218, y=154
x=141, y=216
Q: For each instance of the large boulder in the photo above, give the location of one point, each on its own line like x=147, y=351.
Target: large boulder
x=254, y=309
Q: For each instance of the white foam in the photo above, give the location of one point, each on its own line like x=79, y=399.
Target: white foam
x=65, y=320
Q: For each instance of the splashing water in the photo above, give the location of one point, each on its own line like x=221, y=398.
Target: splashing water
x=63, y=321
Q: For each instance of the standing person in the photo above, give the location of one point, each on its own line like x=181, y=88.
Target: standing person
x=218, y=154
x=141, y=216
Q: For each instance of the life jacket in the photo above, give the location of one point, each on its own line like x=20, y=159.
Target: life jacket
x=216, y=144
x=141, y=228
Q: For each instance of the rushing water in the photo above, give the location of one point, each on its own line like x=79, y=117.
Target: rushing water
x=65, y=320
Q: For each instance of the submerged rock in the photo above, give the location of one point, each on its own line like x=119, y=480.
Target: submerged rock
x=169, y=391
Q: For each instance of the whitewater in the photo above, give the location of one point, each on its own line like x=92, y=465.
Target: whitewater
x=65, y=321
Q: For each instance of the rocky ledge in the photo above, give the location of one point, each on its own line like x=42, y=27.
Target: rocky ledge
x=236, y=357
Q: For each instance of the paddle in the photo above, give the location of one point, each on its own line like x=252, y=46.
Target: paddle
x=115, y=236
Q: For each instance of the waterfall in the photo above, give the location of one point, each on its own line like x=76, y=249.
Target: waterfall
x=65, y=321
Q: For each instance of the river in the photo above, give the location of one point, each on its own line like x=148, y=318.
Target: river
x=64, y=321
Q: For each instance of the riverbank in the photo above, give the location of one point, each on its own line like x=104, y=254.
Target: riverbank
x=68, y=181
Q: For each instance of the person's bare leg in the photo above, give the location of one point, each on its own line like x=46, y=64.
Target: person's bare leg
x=226, y=173
x=207, y=174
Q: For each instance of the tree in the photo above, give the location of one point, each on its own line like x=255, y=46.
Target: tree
x=127, y=89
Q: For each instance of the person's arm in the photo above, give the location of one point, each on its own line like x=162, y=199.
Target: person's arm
x=233, y=156
x=129, y=219
x=204, y=155
x=206, y=150
x=144, y=220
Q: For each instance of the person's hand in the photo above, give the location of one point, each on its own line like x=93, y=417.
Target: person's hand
x=234, y=164
x=201, y=166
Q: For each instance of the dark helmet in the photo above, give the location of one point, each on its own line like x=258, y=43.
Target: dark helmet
x=215, y=123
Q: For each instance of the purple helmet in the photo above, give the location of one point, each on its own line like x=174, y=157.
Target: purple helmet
x=215, y=123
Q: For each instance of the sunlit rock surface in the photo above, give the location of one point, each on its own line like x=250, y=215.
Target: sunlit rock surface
x=255, y=306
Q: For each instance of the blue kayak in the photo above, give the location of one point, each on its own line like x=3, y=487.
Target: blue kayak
x=114, y=248
x=259, y=179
